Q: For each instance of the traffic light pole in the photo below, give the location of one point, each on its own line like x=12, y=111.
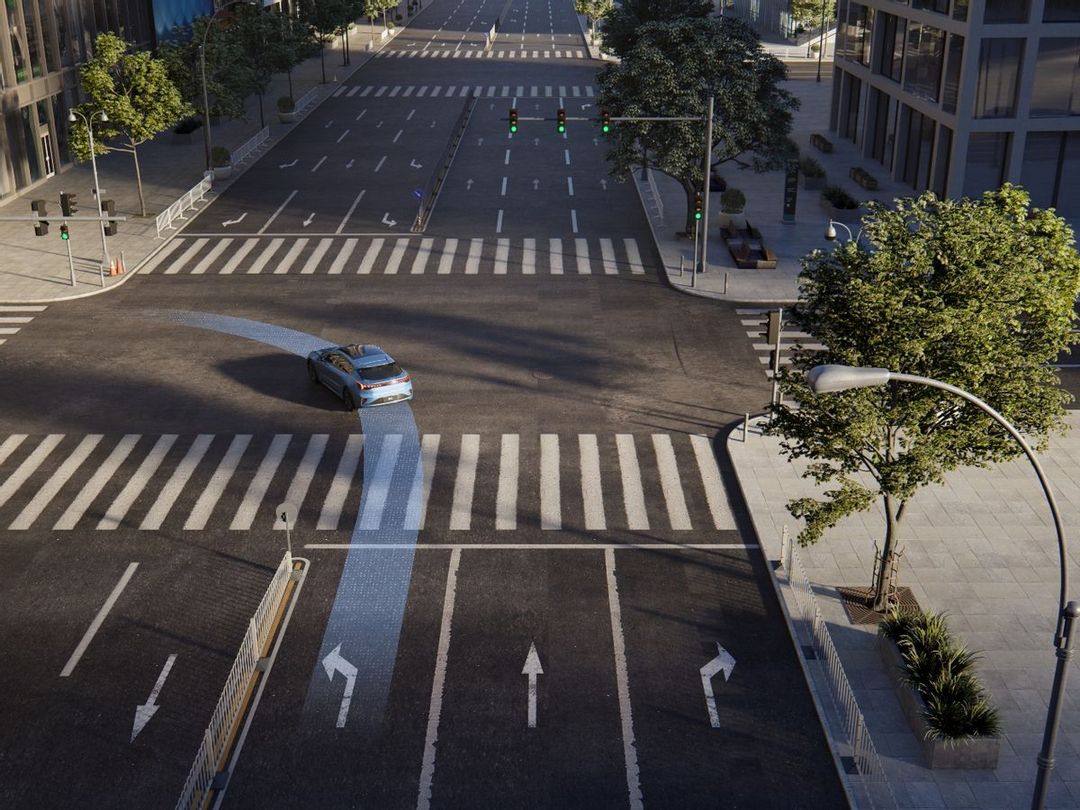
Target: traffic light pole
x=708, y=183
x=71, y=262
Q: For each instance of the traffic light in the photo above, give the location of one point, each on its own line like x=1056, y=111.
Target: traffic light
x=699, y=205
x=68, y=203
x=109, y=207
x=64, y=231
x=560, y=117
x=605, y=121
x=42, y=227
x=513, y=119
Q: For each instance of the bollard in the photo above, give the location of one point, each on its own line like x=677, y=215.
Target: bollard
x=745, y=427
x=725, y=282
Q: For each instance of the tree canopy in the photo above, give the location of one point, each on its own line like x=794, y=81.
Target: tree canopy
x=669, y=72
x=978, y=293
x=808, y=12
x=622, y=26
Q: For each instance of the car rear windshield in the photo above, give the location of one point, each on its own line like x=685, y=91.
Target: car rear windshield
x=383, y=372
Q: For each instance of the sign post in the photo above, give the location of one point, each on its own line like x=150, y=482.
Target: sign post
x=286, y=513
x=791, y=191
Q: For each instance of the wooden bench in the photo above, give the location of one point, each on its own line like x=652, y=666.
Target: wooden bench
x=821, y=143
x=863, y=178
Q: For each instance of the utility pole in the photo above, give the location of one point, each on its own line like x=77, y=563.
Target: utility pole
x=708, y=178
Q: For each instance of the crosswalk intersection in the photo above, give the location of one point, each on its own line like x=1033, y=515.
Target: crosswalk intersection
x=658, y=482
x=506, y=91
x=14, y=317
x=481, y=53
x=755, y=321
x=334, y=255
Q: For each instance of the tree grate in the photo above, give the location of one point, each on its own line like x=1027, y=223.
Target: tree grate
x=856, y=601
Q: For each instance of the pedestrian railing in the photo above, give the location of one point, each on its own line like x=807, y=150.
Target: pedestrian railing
x=654, y=193
x=231, y=704
x=869, y=779
x=430, y=193
x=307, y=98
x=248, y=147
x=187, y=202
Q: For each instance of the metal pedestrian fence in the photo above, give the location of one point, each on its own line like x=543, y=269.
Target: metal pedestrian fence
x=307, y=98
x=865, y=773
x=248, y=147
x=429, y=195
x=186, y=202
x=213, y=751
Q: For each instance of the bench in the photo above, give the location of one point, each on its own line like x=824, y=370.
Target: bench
x=821, y=143
x=863, y=178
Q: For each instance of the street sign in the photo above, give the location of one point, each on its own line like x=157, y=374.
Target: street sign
x=791, y=191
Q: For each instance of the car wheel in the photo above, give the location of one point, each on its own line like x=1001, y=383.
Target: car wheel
x=349, y=404
x=312, y=375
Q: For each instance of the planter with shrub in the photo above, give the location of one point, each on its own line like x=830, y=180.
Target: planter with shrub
x=221, y=162
x=732, y=205
x=945, y=704
x=286, y=109
x=813, y=174
x=840, y=205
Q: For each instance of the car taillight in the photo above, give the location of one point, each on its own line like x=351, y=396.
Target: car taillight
x=363, y=386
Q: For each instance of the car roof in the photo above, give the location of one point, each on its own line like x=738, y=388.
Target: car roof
x=366, y=355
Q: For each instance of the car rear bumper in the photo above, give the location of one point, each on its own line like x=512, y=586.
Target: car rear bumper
x=386, y=395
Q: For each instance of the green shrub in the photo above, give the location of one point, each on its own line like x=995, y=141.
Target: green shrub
x=219, y=157
x=941, y=670
x=286, y=104
x=838, y=198
x=732, y=201
x=810, y=167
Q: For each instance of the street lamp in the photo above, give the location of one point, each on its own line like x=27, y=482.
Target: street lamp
x=827, y=379
x=101, y=116
x=202, y=63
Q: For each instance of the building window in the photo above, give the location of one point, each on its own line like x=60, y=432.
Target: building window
x=987, y=158
x=1049, y=157
x=942, y=160
x=878, y=126
x=30, y=141
x=1061, y=11
x=854, y=32
x=1057, y=78
x=18, y=49
x=32, y=46
x=940, y=6
x=1006, y=11
x=917, y=146
x=960, y=10
x=849, y=108
x=890, y=55
x=953, y=64
x=925, y=55
x=999, y=73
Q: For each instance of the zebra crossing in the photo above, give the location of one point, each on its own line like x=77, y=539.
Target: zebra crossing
x=563, y=91
x=503, y=482
x=480, y=53
x=14, y=317
x=412, y=255
x=756, y=320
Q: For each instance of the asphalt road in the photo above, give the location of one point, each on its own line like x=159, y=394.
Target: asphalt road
x=570, y=412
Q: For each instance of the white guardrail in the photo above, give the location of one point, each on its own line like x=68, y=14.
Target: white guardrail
x=307, y=98
x=176, y=211
x=876, y=792
x=656, y=198
x=248, y=147
x=230, y=706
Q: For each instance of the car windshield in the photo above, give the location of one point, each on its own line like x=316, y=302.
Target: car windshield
x=383, y=372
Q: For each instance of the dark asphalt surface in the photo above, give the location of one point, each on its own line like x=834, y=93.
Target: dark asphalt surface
x=502, y=364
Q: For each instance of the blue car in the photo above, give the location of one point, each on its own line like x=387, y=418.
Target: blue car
x=362, y=375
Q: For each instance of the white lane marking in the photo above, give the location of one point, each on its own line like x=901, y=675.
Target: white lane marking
x=396, y=255
x=573, y=220
x=528, y=257
x=245, y=513
x=566, y=156
x=502, y=253
x=211, y=257
x=315, y=168
x=548, y=546
x=287, y=262
x=301, y=481
x=723, y=519
x=344, y=135
x=341, y=259
x=377, y=490
x=506, y=159
x=396, y=89
x=369, y=257
x=607, y=253
x=215, y=487
x=412, y=112
x=634, y=256
x=416, y=512
x=339, y=487
x=622, y=680
x=97, y=482
x=176, y=483
x=167, y=251
x=352, y=208
x=353, y=91
x=637, y=518
x=316, y=256
x=570, y=186
x=472, y=264
x=366, y=91
x=507, y=494
x=21, y=308
x=378, y=165
x=176, y=266
x=550, y=496
x=498, y=222
x=581, y=248
x=438, y=684
x=591, y=486
x=399, y=134
x=465, y=483
x=265, y=256
x=280, y=208
x=670, y=482
x=114, y=515
x=48, y=490
x=423, y=253
x=99, y=619
x=29, y=465
x=503, y=192
x=446, y=261
x=238, y=256
x=555, y=251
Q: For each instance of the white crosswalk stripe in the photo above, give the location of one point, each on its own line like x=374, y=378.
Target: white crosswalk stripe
x=755, y=320
x=239, y=256
x=14, y=317
x=459, y=52
x=501, y=482
x=456, y=91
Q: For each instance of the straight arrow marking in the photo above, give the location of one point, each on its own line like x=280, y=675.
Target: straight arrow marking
x=532, y=668
x=145, y=711
x=724, y=662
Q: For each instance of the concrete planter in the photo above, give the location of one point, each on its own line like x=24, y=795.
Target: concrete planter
x=738, y=221
x=222, y=172
x=978, y=753
x=849, y=216
x=286, y=117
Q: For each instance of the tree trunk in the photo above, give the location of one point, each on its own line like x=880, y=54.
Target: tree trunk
x=138, y=181
x=289, y=72
x=888, y=557
x=322, y=59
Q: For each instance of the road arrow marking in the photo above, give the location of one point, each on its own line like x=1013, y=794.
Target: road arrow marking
x=595, y=141
x=378, y=125
x=536, y=141
x=415, y=165
x=335, y=663
x=328, y=123
x=532, y=668
x=145, y=711
x=468, y=184
x=603, y=185
x=310, y=219
x=479, y=141
x=289, y=165
x=387, y=221
x=236, y=221
x=432, y=125
x=725, y=663
x=350, y=163
x=536, y=185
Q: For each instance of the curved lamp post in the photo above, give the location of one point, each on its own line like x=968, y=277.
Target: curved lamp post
x=827, y=379
x=202, y=63
x=100, y=116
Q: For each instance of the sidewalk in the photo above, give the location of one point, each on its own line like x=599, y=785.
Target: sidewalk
x=35, y=269
x=980, y=547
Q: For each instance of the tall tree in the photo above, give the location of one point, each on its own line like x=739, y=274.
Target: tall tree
x=978, y=293
x=669, y=72
x=623, y=25
x=134, y=91
x=230, y=78
x=326, y=19
x=260, y=37
x=593, y=10
x=808, y=13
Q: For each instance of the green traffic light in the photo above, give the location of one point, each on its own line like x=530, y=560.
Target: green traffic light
x=606, y=129
x=697, y=215
x=513, y=128
x=562, y=128
x=65, y=235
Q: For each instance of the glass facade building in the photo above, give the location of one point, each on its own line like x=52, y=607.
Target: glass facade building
x=959, y=96
x=42, y=42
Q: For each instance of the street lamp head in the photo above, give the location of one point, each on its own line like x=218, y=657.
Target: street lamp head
x=71, y=116
x=103, y=116
x=830, y=231
x=829, y=379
